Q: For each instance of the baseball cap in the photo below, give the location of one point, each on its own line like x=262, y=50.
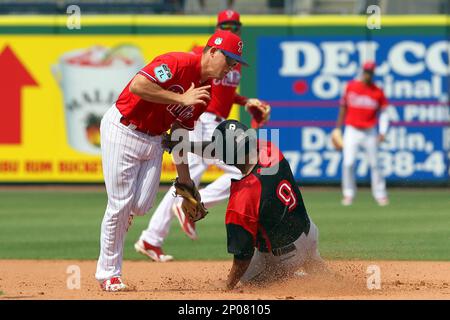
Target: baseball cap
x=228, y=16
x=229, y=43
x=369, y=66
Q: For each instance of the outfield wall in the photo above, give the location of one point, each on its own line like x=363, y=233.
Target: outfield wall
x=49, y=128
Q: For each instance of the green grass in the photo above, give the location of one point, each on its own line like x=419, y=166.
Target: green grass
x=415, y=226
x=66, y=225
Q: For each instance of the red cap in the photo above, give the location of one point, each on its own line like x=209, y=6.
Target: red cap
x=369, y=66
x=228, y=16
x=229, y=43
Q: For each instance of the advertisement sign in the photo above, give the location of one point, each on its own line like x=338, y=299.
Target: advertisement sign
x=306, y=77
x=55, y=89
x=90, y=80
x=57, y=81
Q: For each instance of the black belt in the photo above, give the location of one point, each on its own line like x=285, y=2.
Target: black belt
x=219, y=119
x=132, y=126
x=283, y=250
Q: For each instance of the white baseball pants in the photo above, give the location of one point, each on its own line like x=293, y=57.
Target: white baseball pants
x=218, y=190
x=353, y=139
x=132, y=170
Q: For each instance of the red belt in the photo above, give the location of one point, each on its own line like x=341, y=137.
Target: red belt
x=132, y=126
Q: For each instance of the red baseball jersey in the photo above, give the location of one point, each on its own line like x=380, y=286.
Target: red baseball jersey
x=223, y=92
x=265, y=211
x=173, y=71
x=363, y=103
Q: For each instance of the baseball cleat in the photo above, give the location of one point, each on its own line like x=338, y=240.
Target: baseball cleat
x=382, y=202
x=154, y=253
x=187, y=225
x=114, y=284
x=347, y=201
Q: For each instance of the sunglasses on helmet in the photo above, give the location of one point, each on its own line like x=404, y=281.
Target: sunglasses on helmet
x=230, y=27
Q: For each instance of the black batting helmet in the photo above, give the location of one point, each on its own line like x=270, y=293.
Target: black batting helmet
x=233, y=141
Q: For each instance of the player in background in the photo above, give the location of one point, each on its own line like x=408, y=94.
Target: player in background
x=361, y=106
x=169, y=93
x=268, y=229
x=223, y=95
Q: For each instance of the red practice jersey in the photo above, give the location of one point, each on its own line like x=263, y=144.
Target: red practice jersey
x=363, y=103
x=173, y=71
x=223, y=91
x=265, y=211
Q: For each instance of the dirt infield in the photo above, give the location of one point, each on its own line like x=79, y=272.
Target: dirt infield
x=28, y=279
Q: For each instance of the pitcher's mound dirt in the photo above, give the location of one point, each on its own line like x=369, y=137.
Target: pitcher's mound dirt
x=26, y=279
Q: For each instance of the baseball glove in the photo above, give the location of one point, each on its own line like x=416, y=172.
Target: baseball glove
x=260, y=112
x=192, y=206
x=336, y=138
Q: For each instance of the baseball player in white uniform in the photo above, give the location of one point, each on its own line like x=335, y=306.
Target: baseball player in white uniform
x=362, y=104
x=223, y=95
x=169, y=93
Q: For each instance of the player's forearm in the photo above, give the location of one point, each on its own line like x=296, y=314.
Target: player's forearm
x=341, y=115
x=241, y=100
x=150, y=91
x=237, y=271
x=179, y=155
x=184, y=175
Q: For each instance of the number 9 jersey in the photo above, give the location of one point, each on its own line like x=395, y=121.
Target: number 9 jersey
x=266, y=209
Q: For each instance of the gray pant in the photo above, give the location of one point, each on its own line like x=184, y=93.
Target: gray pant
x=265, y=265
